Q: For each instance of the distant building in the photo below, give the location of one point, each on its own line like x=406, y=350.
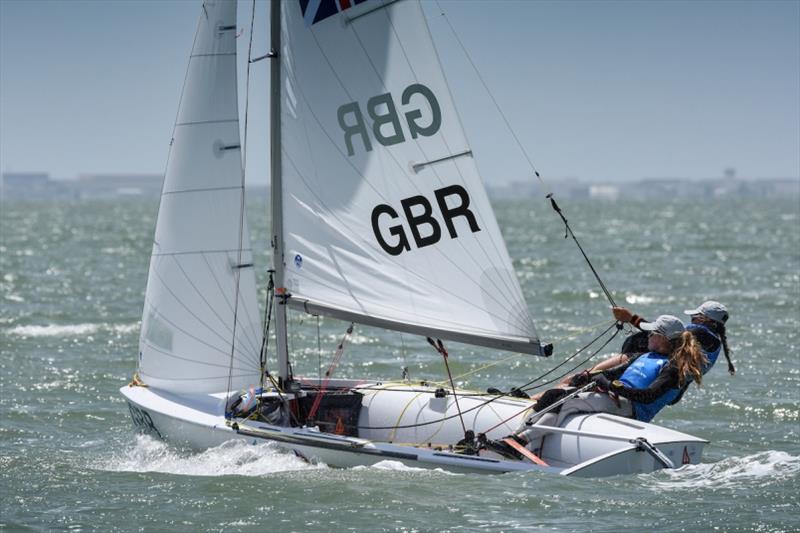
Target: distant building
x=24, y=185
x=98, y=186
x=38, y=186
x=604, y=192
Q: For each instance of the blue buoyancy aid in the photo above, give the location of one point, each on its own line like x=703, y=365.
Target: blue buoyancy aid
x=700, y=331
x=639, y=375
x=644, y=370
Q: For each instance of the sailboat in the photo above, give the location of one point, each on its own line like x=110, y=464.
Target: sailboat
x=380, y=218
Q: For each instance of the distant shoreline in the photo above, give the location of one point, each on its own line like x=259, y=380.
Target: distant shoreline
x=31, y=186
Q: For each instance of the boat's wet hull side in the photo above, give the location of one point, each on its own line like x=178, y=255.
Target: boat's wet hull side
x=605, y=446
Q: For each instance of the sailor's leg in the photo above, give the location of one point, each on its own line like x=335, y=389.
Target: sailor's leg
x=533, y=434
x=595, y=402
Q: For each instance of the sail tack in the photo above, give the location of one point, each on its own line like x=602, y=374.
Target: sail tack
x=385, y=218
x=195, y=334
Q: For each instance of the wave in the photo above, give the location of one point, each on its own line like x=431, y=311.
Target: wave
x=396, y=466
x=66, y=330
x=54, y=330
x=760, y=469
x=231, y=458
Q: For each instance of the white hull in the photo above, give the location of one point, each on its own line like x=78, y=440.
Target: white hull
x=593, y=445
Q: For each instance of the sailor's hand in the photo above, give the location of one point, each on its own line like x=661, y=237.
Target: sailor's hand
x=622, y=314
x=579, y=380
x=602, y=382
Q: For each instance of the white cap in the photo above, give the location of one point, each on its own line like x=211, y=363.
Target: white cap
x=711, y=309
x=669, y=326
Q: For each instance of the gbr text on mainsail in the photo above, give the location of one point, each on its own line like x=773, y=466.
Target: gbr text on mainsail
x=386, y=128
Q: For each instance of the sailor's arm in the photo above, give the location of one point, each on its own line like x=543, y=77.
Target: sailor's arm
x=626, y=316
x=582, y=378
x=666, y=380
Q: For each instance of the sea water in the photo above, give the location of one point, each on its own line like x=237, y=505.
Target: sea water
x=72, y=280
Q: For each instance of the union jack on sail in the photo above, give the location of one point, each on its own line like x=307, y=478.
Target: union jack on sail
x=317, y=10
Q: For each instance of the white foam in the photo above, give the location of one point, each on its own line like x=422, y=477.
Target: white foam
x=66, y=330
x=125, y=328
x=765, y=467
x=397, y=466
x=639, y=299
x=53, y=330
x=232, y=458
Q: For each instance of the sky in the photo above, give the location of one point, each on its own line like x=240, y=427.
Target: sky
x=594, y=90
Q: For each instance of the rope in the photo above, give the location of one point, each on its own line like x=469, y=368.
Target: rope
x=524, y=410
x=499, y=396
x=328, y=373
x=238, y=272
x=267, y=322
x=402, y=414
x=491, y=96
x=568, y=230
x=439, y=347
x=514, y=355
x=522, y=148
x=530, y=386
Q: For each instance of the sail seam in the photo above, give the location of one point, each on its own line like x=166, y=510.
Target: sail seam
x=195, y=361
x=383, y=5
x=208, y=305
x=411, y=272
x=198, y=339
x=225, y=296
x=517, y=322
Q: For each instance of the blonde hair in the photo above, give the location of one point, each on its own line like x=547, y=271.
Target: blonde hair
x=688, y=358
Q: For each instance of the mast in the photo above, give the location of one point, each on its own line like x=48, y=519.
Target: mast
x=276, y=191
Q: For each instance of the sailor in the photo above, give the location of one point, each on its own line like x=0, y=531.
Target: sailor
x=708, y=327
x=640, y=388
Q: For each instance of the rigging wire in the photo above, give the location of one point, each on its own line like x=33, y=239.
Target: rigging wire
x=319, y=353
x=499, y=396
x=515, y=355
x=489, y=92
x=243, y=161
x=524, y=410
x=568, y=231
x=525, y=154
x=267, y=322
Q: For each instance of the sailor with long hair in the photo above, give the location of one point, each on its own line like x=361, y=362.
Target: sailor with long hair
x=639, y=388
x=707, y=325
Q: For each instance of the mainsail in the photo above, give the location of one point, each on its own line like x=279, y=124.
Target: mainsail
x=196, y=337
x=385, y=218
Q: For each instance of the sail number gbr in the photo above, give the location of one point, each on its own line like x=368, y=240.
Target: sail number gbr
x=386, y=127
x=452, y=201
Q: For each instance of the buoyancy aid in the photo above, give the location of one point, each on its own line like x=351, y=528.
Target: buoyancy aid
x=639, y=375
x=709, y=341
x=642, y=372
